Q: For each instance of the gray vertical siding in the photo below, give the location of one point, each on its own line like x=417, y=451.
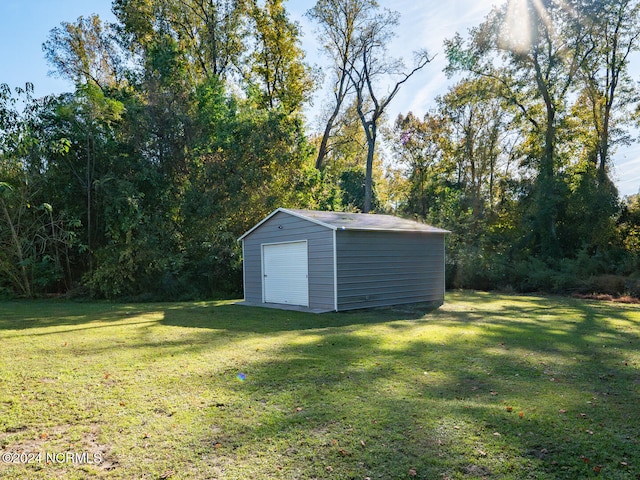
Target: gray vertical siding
x=388, y=268
x=320, y=251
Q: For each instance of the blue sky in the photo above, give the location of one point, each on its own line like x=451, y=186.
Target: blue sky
x=25, y=25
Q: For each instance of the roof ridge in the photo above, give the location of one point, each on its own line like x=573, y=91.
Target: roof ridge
x=336, y=220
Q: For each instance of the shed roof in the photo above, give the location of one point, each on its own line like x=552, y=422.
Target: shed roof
x=355, y=221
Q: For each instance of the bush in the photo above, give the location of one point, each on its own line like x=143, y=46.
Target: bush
x=586, y=274
x=6, y=293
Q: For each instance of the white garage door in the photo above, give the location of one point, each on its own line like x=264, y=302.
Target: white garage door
x=285, y=273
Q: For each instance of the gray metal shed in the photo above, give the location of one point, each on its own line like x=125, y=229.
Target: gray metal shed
x=334, y=261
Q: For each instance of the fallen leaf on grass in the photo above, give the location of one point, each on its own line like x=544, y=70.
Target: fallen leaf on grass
x=521, y=414
x=412, y=472
x=562, y=410
x=329, y=468
x=362, y=443
x=167, y=474
x=597, y=468
x=509, y=409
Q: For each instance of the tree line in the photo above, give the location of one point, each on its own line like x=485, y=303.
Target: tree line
x=186, y=126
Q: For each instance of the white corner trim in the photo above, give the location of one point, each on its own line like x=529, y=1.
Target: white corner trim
x=335, y=272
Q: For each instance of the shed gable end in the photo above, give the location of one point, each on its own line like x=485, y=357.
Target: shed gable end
x=281, y=228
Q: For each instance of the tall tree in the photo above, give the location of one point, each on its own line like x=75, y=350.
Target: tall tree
x=338, y=23
x=534, y=50
x=465, y=143
x=277, y=66
x=210, y=33
x=85, y=52
x=480, y=126
x=35, y=238
x=420, y=146
x=86, y=121
x=608, y=89
x=369, y=69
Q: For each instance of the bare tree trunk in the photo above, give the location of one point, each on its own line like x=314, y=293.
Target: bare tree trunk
x=368, y=179
x=89, y=201
x=322, y=151
x=26, y=284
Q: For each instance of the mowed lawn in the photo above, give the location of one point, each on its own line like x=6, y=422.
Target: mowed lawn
x=487, y=386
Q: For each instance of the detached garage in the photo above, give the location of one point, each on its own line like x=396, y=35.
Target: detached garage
x=334, y=261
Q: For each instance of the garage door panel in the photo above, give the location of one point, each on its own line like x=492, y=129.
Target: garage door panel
x=285, y=273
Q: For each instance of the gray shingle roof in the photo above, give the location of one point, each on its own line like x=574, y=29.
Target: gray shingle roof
x=355, y=221
x=364, y=221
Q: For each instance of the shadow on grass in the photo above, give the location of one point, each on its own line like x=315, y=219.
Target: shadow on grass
x=28, y=314
x=235, y=318
x=215, y=315
x=386, y=392
x=535, y=388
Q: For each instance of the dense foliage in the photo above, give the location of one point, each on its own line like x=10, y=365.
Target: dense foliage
x=186, y=126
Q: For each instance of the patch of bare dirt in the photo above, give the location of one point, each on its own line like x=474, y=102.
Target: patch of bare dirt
x=608, y=298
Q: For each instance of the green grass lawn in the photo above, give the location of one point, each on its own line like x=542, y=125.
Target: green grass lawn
x=492, y=386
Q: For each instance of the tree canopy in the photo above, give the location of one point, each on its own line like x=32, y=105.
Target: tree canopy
x=186, y=125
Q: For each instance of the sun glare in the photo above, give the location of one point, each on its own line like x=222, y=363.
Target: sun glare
x=517, y=28
x=521, y=18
